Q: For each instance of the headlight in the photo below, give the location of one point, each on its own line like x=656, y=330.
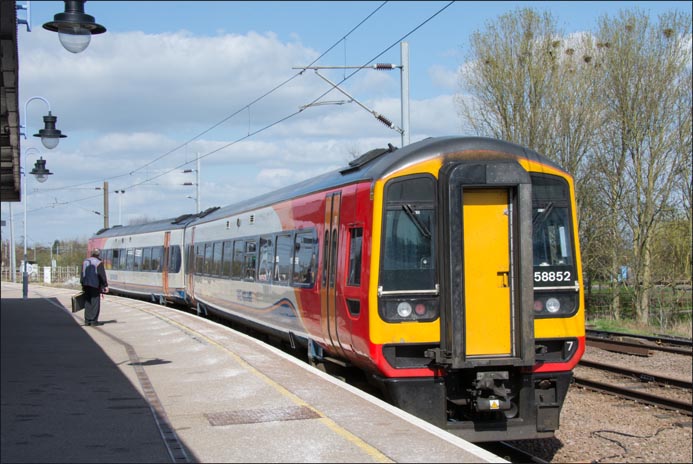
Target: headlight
x=553, y=305
x=550, y=304
x=404, y=310
x=408, y=310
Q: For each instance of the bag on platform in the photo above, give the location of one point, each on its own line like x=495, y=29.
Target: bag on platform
x=78, y=302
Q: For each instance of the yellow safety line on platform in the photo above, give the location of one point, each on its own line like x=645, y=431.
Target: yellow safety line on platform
x=368, y=449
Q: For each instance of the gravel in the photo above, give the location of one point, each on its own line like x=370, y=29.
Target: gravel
x=597, y=427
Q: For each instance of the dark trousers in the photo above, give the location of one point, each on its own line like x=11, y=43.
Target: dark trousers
x=92, y=304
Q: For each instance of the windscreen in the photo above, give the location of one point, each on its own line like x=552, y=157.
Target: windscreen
x=408, y=255
x=554, y=263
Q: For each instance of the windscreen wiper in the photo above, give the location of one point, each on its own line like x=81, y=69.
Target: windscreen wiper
x=417, y=222
x=541, y=216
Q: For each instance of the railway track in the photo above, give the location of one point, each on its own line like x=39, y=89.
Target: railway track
x=639, y=375
x=684, y=407
x=666, y=402
x=638, y=344
x=660, y=339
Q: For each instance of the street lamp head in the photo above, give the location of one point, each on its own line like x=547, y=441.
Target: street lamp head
x=74, y=27
x=50, y=136
x=40, y=170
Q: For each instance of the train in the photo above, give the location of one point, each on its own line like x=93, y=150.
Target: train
x=447, y=271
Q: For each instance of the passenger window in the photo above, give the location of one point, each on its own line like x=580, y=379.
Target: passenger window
x=130, y=264
x=208, y=259
x=157, y=253
x=250, y=260
x=355, y=246
x=216, y=259
x=199, y=259
x=282, y=260
x=174, y=259
x=266, y=260
x=138, y=259
x=227, y=259
x=116, y=259
x=305, y=259
x=107, y=259
x=125, y=263
x=238, y=259
x=146, y=259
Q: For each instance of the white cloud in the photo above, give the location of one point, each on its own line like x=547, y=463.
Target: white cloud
x=129, y=105
x=444, y=78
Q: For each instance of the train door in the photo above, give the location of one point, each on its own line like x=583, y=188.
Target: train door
x=486, y=265
x=164, y=262
x=190, y=266
x=328, y=289
x=486, y=216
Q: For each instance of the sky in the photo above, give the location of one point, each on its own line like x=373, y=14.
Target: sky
x=171, y=81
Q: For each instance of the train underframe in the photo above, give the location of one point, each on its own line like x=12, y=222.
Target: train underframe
x=484, y=405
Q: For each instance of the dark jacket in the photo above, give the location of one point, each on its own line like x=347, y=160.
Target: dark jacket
x=93, y=273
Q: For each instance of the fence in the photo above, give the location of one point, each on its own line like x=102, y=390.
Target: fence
x=669, y=305
x=44, y=274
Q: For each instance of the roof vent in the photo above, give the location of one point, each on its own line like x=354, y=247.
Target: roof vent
x=208, y=211
x=181, y=218
x=368, y=157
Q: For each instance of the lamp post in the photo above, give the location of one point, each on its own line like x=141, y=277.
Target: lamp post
x=41, y=173
x=13, y=258
x=74, y=27
x=50, y=136
x=120, y=194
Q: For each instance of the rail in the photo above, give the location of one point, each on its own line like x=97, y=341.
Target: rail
x=634, y=347
x=683, y=407
x=638, y=375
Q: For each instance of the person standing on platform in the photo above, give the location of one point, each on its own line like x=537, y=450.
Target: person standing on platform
x=94, y=283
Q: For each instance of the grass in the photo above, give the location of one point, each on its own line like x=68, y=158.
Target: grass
x=680, y=329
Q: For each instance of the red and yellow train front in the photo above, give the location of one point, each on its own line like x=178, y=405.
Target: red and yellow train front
x=475, y=310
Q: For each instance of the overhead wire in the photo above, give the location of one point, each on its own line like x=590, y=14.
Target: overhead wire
x=291, y=115
x=243, y=108
x=248, y=105
x=280, y=120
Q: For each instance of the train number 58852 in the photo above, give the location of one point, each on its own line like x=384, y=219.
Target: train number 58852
x=552, y=276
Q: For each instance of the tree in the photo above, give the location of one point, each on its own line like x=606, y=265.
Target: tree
x=613, y=108
x=511, y=77
x=528, y=84
x=644, y=80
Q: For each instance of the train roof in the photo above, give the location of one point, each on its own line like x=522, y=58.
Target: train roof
x=155, y=226
x=369, y=167
x=378, y=163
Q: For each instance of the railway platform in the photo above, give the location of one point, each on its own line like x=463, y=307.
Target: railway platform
x=154, y=384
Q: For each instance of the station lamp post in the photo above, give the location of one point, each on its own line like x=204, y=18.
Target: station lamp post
x=74, y=27
x=50, y=136
x=40, y=172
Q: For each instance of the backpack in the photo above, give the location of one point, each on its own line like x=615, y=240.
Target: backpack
x=90, y=277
